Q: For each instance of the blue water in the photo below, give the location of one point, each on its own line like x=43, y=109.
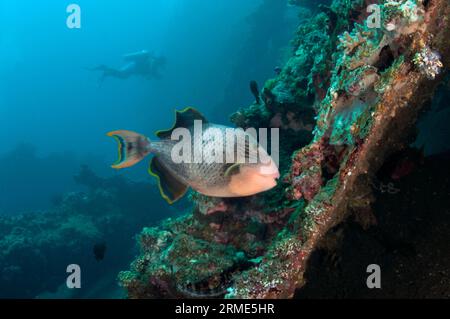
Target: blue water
x=50, y=102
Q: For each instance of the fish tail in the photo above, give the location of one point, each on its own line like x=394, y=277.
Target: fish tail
x=132, y=148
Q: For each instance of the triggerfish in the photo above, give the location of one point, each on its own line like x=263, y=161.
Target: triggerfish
x=208, y=177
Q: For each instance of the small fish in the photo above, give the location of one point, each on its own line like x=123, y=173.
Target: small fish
x=277, y=70
x=255, y=91
x=213, y=179
x=99, y=251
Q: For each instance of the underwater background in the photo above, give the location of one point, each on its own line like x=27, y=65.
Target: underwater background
x=60, y=202
x=55, y=113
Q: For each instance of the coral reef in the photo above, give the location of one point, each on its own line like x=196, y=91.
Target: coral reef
x=36, y=248
x=196, y=255
x=428, y=62
x=347, y=99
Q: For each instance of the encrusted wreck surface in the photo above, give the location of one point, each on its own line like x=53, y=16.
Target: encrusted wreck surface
x=346, y=100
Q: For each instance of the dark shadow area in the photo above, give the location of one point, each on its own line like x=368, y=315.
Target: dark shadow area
x=405, y=231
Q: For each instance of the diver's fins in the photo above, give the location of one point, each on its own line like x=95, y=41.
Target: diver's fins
x=171, y=188
x=133, y=147
x=184, y=118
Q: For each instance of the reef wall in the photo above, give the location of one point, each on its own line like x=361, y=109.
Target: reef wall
x=347, y=99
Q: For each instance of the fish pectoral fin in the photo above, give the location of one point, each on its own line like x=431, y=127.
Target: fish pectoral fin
x=183, y=119
x=232, y=170
x=170, y=187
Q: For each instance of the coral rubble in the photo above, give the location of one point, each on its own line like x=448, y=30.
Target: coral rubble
x=346, y=100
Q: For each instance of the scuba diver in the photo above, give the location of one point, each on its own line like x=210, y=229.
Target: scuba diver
x=140, y=63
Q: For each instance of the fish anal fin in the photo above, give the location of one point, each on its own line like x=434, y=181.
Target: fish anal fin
x=171, y=188
x=184, y=118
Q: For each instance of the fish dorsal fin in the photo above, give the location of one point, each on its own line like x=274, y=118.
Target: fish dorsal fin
x=232, y=170
x=184, y=118
x=171, y=188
